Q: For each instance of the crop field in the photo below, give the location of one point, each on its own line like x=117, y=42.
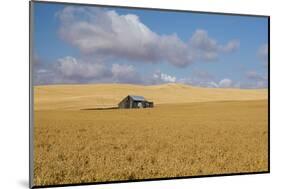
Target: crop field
x=173, y=139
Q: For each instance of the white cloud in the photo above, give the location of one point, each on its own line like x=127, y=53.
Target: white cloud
x=107, y=33
x=123, y=36
x=253, y=75
x=212, y=84
x=231, y=46
x=71, y=67
x=225, y=83
x=198, y=82
x=201, y=40
x=125, y=73
x=208, y=48
x=200, y=78
x=256, y=80
x=164, y=78
x=71, y=70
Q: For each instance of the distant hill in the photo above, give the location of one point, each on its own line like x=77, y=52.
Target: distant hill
x=73, y=97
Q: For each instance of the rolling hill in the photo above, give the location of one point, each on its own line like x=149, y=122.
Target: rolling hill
x=74, y=97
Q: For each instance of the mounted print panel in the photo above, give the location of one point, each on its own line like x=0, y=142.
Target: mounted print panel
x=123, y=94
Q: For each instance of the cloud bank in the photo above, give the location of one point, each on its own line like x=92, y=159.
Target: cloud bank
x=107, y=33
x=104, y=37
x=256, y=80
x=71, y=70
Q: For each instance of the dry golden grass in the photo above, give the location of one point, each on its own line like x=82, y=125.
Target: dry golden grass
x=184, y=139
x=75, y=97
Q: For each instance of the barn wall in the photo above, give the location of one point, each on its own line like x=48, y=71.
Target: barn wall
x=123, y=103
x=128, y=102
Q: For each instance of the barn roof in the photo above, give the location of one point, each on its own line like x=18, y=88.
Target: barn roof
x=137, y=98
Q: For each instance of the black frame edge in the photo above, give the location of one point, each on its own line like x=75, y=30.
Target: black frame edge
x=268, y=97
x=152, y=179
x=146, y=8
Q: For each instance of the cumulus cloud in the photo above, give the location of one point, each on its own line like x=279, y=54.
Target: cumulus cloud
x=231, y=46
x=253, y=80
x=208, y=48
x=253, y=75
x=256, y=80
x=71, y=67
x=200, y=78
x=71, y=70
x=225, y=83
x=41, y=71
x=210, y=83
x=163, y=78
x=123, y=36
x=125, y=73
x=107, y=33
x=201, y=40
x=198, y=82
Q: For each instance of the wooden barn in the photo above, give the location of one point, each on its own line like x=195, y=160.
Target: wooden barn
x=132, y=101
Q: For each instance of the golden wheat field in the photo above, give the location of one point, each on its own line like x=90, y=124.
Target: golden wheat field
x=190, y=131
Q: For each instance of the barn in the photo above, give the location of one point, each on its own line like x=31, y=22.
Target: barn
x=132, y=101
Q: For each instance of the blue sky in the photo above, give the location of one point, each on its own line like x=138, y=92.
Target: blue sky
x=80, y=44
